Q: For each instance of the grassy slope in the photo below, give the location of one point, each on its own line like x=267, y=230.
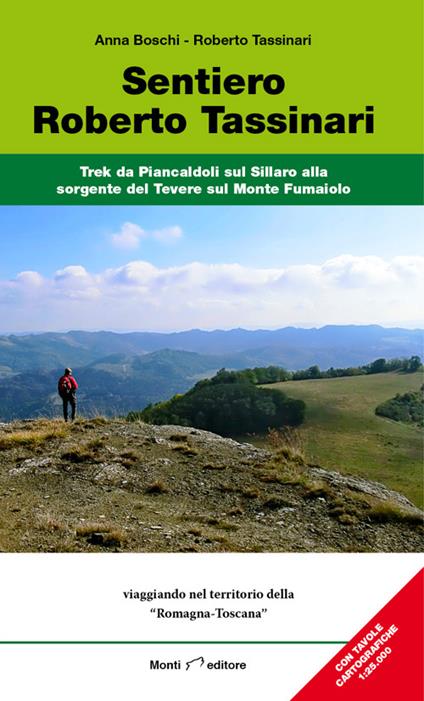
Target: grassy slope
x=342, y=432
x=96, y=485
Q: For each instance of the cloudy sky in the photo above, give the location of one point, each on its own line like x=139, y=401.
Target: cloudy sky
x=174, y=268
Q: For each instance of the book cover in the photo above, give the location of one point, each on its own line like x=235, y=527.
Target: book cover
x=211, y=245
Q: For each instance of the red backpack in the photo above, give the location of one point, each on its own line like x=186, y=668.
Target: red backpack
x=64, y=386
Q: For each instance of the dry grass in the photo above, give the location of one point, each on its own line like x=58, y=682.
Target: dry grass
x=359, y=506
x=315, y=489
x=84, y=452
x=80, y=454
x=288, y=444
x=31, y=437
x=275, y=502
x=340, y=512
x=96, y=444
x=158, y=487
x=347, y=519
x=98, y=421
x=129, y=458
x=50, y=523
x=271, y=476
x=92, y=527
x=387, y=511
x=251, y=493
x=221, y=539
x=288, y=462
x=185, y=449
x=101, y=534
x=114, y=538
x=195, y=531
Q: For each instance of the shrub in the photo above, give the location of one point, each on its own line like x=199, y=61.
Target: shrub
x=408, y=408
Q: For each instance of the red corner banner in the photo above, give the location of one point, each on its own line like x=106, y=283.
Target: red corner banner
x=383, y=661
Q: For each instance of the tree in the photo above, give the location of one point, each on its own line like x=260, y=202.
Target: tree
x=414, y=363
x=314, y=372
x=378, y=365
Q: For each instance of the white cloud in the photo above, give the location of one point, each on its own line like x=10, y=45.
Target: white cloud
x=359, y=271
x=71, y=272
x=130, y=235
x=136, y=273
x=29, y=279
x=139, y=295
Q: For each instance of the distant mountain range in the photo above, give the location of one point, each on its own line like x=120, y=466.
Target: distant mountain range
x=123, y=372
x=112, y=385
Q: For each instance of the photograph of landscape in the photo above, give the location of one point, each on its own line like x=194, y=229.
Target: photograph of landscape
x=249, y=379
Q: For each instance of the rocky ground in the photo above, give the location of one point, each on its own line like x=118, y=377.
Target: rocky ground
x=107, y=485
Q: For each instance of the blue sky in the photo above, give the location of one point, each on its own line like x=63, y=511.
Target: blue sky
x=251, y=266
x=47, y=238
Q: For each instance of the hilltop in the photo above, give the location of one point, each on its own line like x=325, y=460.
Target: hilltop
x=108, y=485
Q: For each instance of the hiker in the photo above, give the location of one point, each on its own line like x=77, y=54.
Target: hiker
x=67, y=387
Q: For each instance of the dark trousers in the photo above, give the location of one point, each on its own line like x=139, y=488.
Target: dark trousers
x=72, y=400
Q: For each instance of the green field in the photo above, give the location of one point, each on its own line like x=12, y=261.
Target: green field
x=342, y=432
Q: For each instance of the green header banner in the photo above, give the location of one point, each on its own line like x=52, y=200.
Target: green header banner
x=205, y=179
x=222, y=78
